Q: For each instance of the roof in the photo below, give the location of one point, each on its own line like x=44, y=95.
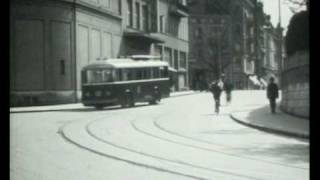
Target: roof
x=125, y=63
x=142, y=56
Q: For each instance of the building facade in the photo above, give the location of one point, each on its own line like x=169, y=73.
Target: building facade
x=232, y=28
x=51, y=40
x=271, y=53
x=172, y=28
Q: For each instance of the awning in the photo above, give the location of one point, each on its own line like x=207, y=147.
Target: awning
x=172, y=69
x=255, y=80
x=263, y=82
x=182, y=70
x=142, y=37
x=144, y=57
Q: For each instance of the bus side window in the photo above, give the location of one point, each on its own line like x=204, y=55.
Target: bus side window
x=107, y=75
x=161, y=72
x=144, y=73
x=125, y=74
x=131, y=74
x=166, y=73
x=152, y=73
x=139, y=74
x=156, y=72
x=119, y=74
x=84, y=76
x=148, y=73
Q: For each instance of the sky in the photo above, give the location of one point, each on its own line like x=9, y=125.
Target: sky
x=271, y=8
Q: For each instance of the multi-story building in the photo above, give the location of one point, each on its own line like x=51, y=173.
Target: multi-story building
x=223, y=40
x=172, y=28
x=271, y=52
x=51, y=40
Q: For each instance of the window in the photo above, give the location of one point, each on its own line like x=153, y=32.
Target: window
x=117, y=75
x=198, y=32
x=127, y=74
x=158, y=51
x=252, y=47
x=162, y=23
x=175, y=59
x=251, y=31
x=168, y=56
x=130, y=19
x=138, y=15
x=99, y=76
x=120, y=6
x=183, y=60
x=163, y=72
x=155, y=72
x=62, y=67
x=145, y=18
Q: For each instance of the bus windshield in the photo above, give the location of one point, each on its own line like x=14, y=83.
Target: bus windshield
x=99, y=76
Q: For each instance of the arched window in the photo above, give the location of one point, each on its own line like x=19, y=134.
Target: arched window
x=198, y=32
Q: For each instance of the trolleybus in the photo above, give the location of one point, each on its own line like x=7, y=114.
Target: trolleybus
x=124, y=82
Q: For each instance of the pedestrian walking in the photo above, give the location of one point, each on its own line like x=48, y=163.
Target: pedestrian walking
x=272, y=94
x=228, y=87
x=216, y=88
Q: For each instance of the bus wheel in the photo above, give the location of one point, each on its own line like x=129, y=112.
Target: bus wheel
x=155, y=100
x=130, y=100
x=127, y=101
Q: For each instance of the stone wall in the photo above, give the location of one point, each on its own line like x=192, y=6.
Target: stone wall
x=295, y=85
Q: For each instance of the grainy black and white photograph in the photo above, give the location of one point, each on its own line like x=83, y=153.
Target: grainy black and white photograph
x=159, y=90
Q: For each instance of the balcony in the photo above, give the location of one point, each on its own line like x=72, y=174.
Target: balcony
x=179, y=10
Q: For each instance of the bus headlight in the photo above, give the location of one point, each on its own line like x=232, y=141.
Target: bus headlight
x=98, y=93
x=107, y=93
x=87, y=94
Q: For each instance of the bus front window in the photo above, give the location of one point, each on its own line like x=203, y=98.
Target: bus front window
x=99, y=76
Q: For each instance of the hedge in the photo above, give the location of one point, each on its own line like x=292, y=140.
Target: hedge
x=297, y=37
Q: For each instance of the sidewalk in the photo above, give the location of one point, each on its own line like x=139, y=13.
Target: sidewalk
x=74, y=106
x=280, y=123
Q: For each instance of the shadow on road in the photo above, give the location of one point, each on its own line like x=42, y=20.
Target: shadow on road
x=92, y=109
x=262, y=116
x=290, y=153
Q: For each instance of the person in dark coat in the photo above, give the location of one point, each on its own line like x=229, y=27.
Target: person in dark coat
x=272, y=94
x=228, y=88
x=216, y=88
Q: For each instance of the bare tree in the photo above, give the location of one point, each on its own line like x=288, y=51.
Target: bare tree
x=217, y=50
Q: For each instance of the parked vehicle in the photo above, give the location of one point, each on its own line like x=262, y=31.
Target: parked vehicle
x=124, y=82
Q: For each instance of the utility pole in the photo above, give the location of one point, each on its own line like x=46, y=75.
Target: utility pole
x=280, y=63
x=219, y=50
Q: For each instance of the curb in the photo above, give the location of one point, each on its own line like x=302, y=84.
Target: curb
x=271, y=130
x=44, y=110
x=186, y=94
x=77, y=108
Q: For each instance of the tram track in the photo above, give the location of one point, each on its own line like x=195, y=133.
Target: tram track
x=155, y=121
x=169, y=160
x=209, y=149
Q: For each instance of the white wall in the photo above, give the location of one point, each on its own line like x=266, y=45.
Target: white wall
x=97, y=38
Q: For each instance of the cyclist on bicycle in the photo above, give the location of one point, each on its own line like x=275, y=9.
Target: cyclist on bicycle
x=216, y=88
x=228, y=87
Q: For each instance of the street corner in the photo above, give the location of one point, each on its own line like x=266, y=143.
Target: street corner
x=278, y=123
